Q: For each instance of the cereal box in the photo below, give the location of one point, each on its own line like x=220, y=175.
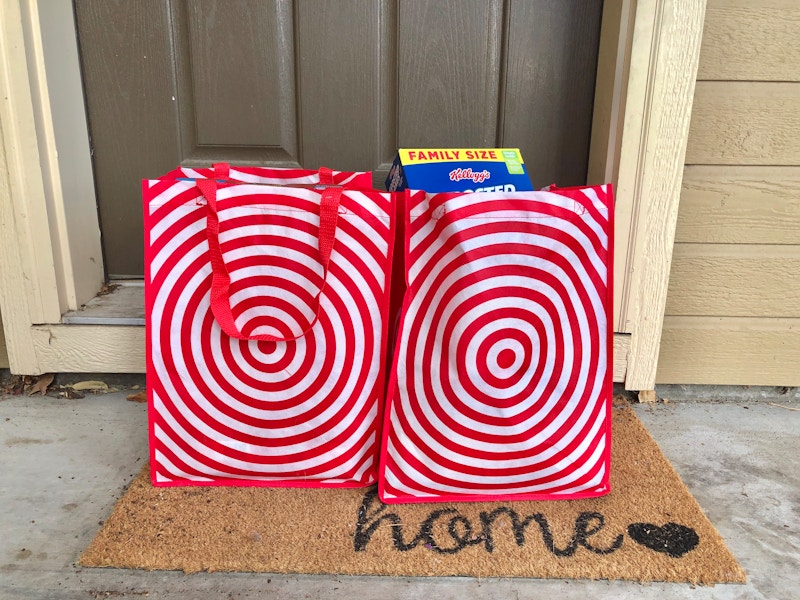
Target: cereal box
x=459, y=170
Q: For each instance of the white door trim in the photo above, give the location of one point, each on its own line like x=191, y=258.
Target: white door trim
x=665, y=53
x=50, y=255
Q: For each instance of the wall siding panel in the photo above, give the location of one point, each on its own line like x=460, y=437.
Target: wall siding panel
x=740, y=205
x=751, y=40
x=733, y=306
x=730, y=351
x=745, y=123
x=734, y=280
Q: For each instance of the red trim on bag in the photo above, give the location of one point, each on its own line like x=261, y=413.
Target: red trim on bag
x=189, y=199
x=150, y=376
x=603, y=487
x=610, y=321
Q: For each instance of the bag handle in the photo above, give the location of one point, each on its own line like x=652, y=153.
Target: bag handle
x=221, y=280
x=222, y=172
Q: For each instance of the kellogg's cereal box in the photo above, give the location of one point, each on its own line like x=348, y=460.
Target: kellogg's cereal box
x=459, y=170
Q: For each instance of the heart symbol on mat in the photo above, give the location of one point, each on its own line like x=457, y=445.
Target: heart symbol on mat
x=672, y=539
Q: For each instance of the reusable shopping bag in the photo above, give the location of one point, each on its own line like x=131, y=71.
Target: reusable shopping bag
x=266, y=330
x=501, y=384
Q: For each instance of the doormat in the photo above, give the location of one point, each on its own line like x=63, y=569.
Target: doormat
x=649, y=528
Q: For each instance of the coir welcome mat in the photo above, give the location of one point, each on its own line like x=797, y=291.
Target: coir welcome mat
x=649, y=528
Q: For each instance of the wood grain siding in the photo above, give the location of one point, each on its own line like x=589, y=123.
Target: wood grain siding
x=81, y=348
x=745, y=123
x=733, y=306
x=622, y=350
x=730, y=351
x=751, y=40
x=740, y=205
x=736, y=280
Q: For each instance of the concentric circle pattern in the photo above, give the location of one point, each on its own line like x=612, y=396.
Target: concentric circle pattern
x=503, y=385
x=228, y=411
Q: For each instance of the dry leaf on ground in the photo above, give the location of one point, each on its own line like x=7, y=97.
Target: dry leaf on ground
x=140, y=397
x=41, y=384
x=90, y=386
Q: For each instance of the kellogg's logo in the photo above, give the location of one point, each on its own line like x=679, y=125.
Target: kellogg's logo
x=475, y=176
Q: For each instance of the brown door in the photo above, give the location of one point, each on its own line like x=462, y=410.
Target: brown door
x=341, y=83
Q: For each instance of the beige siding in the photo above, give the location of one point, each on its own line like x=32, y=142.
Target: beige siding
x=739, y=205
x=734, y=280
x=733, y=307
x=730, y=351
x=751, y=40
x=745, y=123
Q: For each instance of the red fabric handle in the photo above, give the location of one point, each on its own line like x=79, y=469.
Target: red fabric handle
x=221, y=280
x=222, y=171
x=325, y=176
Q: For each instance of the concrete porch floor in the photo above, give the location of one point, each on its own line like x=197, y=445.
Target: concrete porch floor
x=66, y=462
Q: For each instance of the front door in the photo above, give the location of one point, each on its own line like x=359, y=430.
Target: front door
x=340, y=83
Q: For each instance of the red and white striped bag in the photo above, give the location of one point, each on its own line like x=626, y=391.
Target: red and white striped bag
x=501, y=385
x=266, y=331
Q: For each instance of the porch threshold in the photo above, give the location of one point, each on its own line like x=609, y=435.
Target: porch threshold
x=122, y=305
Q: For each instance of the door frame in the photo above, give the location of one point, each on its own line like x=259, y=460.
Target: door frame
x=50, y=255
